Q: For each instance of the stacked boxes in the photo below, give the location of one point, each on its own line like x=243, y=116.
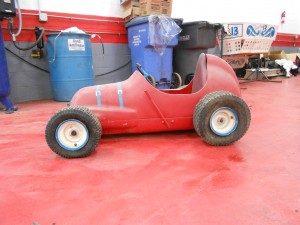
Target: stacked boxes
x=131, y=9
x=150, y=7
x=166, y=7
x=134, y=8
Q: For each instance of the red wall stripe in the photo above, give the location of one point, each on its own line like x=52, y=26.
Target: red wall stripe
x=111, y=29
x=287, y=40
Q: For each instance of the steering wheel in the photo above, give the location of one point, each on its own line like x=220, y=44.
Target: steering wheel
x=139, y=68
x=148, y=77
x=151, y=80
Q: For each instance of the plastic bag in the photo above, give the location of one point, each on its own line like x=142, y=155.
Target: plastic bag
x=162, y=30
x=73, y=30
x=287, y=65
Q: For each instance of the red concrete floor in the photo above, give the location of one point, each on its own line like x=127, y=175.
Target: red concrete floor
x=167, y=178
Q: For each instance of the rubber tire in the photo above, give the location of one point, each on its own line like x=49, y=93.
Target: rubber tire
x=176, y=81
x=151, y=80
x=213, y=101
x=87, y=117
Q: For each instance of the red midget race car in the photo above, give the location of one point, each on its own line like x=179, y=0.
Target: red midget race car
x=210, y=104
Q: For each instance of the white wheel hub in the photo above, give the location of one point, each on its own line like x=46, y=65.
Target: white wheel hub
x=72, y=134
x=223, y=121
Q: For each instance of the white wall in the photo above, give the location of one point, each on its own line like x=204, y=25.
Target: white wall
x=258, y=11
x=110, y=8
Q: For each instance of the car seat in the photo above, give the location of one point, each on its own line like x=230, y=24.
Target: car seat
x=200, y=74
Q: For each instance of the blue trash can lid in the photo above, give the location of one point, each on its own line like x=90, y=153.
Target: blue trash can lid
x=137, y=21
x=145, y=19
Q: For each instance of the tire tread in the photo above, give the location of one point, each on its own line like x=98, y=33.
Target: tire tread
x=201, y=106
x=85, y=114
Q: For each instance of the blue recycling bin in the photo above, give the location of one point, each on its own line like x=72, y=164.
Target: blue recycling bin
x=143, y=51
x=70, y=62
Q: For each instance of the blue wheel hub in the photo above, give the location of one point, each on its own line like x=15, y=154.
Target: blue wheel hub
x=72, y=135
x=224, y=121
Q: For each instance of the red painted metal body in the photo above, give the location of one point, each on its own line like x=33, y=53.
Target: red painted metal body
x=135, y=106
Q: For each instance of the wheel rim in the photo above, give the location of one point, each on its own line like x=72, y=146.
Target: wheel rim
x=72, y=135
x=223, y=121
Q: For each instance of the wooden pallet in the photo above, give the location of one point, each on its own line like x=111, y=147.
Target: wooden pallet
x=251, y=74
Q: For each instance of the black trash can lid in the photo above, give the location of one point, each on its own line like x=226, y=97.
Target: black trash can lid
x=200, y=24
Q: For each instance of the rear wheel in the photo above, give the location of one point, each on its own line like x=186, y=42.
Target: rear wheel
x=176, y=81
x=73, y=132
x=221, y=118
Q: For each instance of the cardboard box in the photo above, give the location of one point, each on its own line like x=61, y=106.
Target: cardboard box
x=166, y=7
x=131, y=12
x=277, y=55
x=134, y=8
x=251, y=75
x=150, y=7
x=292, y=56
x=131, y=9
x=131, y=3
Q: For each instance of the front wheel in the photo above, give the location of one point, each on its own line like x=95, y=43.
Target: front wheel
x=221, y=118
x=73, y=132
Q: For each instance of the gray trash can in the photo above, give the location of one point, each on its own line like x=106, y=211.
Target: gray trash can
x=195, y=38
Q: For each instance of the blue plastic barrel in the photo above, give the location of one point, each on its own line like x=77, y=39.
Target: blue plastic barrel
x=143, y=52
x=70, y=62
x=4, y=78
